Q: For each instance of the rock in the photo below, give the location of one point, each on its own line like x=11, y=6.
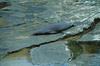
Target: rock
x=54, y=53
x=3, y=52
x=93, y=35
x=3, y=22
x=4, y=4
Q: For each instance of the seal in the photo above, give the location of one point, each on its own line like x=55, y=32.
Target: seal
x=53, y=28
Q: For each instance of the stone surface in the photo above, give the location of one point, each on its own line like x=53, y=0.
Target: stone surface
x=24, y=17
x=50, y=54
x=23, y=58
x=22, y=12
x=94, y=35
x=86, y=60
x=15, y=62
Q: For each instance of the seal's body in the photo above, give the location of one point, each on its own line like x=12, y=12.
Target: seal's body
x=53, y=28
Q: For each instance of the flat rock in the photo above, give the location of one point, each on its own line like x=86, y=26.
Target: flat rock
x=17, y=37
x=24, y=62
x=50, y=54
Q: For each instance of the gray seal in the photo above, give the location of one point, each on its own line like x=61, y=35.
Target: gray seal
x=53, y=28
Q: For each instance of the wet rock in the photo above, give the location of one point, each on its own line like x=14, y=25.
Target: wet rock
x=86, y=60
x=15, y=62
x=93, y=35
x=21, y=38
x=50, y=54
x=20, y=34
x=84, y=53
x=3, y=52
x=3, y=22
x=4, y=4
x=75, y=50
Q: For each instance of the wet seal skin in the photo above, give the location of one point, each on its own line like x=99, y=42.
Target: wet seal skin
x=4, y=4
x=53, y=28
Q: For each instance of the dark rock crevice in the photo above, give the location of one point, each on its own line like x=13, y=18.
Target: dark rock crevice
x=4, y=4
